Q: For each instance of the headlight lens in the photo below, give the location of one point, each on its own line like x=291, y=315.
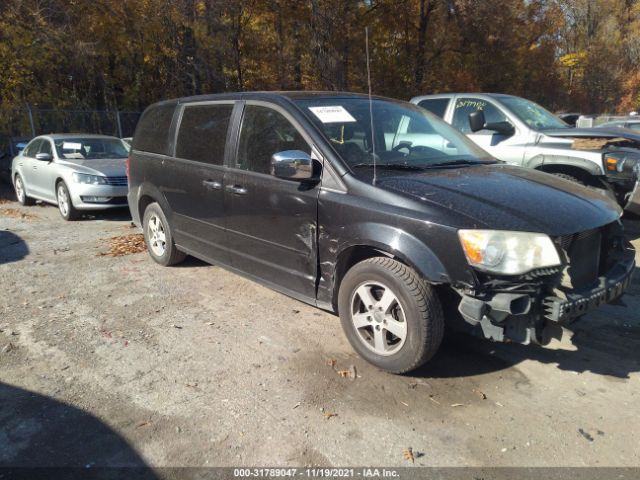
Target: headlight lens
x=508, y=253
x=620, y=162
x=89, y=179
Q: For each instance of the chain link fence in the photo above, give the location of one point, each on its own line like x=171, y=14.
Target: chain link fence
x=31, y=121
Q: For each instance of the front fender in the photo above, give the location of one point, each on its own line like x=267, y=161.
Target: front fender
x=577, y=162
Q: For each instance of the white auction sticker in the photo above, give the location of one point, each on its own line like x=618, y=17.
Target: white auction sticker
x=332, y=114
x=71, y=146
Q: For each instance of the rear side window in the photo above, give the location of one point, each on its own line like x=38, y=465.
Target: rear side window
x=437, y=106
x=152, y=132
x=203, y=133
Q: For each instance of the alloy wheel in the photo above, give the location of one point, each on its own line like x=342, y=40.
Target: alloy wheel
x=156, y=235
x=63, y=200
x=378, y=318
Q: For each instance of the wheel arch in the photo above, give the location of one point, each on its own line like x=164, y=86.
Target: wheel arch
x=408, y=250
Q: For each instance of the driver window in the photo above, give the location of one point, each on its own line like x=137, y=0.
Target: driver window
x=45, y=147
x=265, y=132
x=32, y=148
x=465, y=106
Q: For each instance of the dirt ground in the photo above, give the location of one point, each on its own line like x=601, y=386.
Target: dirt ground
x=114, y=360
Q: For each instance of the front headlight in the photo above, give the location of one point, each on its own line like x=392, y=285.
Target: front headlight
x=621, y=162
x=89, y=179
x=508, y=253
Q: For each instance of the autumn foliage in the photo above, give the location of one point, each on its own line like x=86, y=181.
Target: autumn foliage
x=106, y=54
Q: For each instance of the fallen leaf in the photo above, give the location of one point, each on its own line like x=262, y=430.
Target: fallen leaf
x=457, y=404
x=408, y=454
x=343, y=373
x=15, y=213
x=481, y=394
x=143, y=424
x=328, y=415
x=125, y=245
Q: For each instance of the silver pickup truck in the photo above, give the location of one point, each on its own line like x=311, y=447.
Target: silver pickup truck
x=520, y=132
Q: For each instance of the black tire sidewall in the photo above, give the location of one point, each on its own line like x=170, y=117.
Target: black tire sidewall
x=416, y=342
x=152, y=209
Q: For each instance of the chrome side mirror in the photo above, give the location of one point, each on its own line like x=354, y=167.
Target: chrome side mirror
x=44, y=157
x=292, y=165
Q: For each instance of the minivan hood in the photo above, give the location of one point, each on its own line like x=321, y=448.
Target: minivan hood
x=109, y=167
x=504, y=197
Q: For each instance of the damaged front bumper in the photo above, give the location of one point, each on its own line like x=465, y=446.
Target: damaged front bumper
x=536, y=317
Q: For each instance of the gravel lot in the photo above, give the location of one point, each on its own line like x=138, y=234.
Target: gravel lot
x=117, y=361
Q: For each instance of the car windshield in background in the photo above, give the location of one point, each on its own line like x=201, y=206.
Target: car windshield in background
x=90, y=148
x=533, y=114
x=406, y=136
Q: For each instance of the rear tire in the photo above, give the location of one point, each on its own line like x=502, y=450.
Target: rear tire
x=65, y=204
x=21, y=193
x=390, y=315
x=158, y=237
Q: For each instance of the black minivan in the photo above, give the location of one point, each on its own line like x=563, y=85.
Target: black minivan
x=377, y=210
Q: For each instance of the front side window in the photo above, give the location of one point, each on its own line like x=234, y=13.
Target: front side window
x=90, y=148
x=265, y=132
x=466, y=106
x=32, y=148
x=203, y=133
x=405, y=135
x=45, y=147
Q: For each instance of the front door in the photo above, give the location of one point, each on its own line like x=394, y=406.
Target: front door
x=508, y=148
x=28, y=165
x=193, y=179
x=271, y=222
x=45, y=174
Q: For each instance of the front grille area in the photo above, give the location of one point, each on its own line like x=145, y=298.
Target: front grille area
x=117, y=181
x=589, y=255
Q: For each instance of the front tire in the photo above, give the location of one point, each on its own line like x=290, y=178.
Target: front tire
x=390, y=315
x=21, y=193
x=158, y=237
x=65, y=204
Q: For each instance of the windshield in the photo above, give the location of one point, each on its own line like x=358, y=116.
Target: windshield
x=533, y=114
x=90, y=148
x=406, y=136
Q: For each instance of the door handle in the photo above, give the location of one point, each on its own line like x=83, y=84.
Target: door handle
x=212, y=184
x=236, y=189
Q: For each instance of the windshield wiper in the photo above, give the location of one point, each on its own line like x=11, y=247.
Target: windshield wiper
x=389, y=166
x=449, y=163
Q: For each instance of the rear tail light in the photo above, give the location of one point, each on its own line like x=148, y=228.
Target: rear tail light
x=126, y=168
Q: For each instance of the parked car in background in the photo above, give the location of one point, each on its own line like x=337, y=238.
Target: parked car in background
x=74, y=171
x=521, y=132
x=569, y=118
x=9, y=148
x=630, y=124
x=398, y=223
